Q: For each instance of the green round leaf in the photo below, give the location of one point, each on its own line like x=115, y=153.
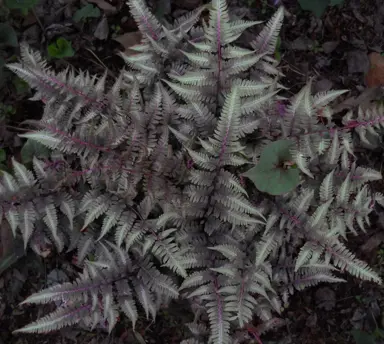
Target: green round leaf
x=20, y=4
x=318, y=7
x=8, y=36
x=33, y=148
x=61, y=49
x=361, y=337
x=269, y=175
x=88, y=11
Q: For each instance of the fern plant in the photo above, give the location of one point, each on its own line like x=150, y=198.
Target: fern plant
x=151, y=181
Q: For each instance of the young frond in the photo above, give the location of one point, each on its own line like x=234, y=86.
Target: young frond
x=266, y=41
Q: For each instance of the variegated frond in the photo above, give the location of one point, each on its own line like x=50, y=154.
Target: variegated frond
x=311, y=279
x=57, y=320
x=106, y=287
x=184, y=24
x=145, y=20
x=68, y=96
x=226, y=133
x=243, y=292
x=28, y=199
x=323, y=99
x=265, y=246
x=368, y=123
x=267, y=39
x=346, y=260
x=144, y=63
x=218, y=31
x=219, y=320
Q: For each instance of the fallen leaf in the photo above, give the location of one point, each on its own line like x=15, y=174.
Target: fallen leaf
x=363, y=100
x=105, y=6
x=375, y=75
x=128, y=40
x=325, y=298
x=102, y=29
x=330, y=46
x=322, y=85
x=357, y=61
x=372, y=244
x=311, y=321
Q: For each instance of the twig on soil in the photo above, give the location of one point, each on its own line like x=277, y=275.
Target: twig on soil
x=97, y=58
x=38, y=20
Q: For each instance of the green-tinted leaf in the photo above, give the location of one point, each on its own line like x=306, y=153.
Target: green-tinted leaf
x=2, y=74
x=33, y=148
x=336, y=2
x=11, y=258
x=3, y=155
x=88, y=11
x=379, y=333
x=318, y=7
x=278, y=49
x=362, y=337
x=60, y=49
x=20, y=4
x=20, y=85
x=271, y=175
x=8, y=36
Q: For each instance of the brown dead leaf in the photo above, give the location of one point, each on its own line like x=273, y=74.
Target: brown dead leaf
x=372, y=244
x=363, y=100
x=375, y=75
x=128, y=40
x=105, y=6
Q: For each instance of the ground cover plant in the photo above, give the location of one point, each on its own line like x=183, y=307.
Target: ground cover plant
x=190, y=176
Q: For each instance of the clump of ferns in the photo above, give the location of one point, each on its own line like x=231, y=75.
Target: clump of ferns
x=239, y=251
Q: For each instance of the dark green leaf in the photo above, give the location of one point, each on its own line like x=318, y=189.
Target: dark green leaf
x=2, y=74
x=270, y=175
x=21, y=86
x=20, y=4
x=3, y=155
x=336, y=2
x=8, y=36
x=318, y=7
x=32, y=148
x=88, y=11
x=61, y=49
x=362, y=337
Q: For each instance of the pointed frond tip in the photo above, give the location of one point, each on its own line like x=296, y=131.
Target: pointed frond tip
x=56, y=320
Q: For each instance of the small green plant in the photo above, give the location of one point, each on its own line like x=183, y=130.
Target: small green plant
x=61, y=49
x=318, y=7
x=116, y=29
x=87, y=11
x=275, y=173
x=23, y=5
x=6, y=110
x=363, y=337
